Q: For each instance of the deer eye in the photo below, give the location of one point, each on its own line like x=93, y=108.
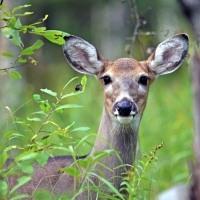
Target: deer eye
x=143, y=80
x=106, y=80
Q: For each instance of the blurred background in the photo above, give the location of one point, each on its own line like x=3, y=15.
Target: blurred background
x=109, y=26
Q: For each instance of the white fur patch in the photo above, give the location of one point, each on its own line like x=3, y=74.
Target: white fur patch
x=169, y=55
x=83, y=55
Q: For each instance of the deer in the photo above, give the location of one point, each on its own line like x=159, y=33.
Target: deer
x=126, y=84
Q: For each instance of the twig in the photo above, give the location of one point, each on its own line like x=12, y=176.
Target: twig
x=137, y=26
x=5, y=69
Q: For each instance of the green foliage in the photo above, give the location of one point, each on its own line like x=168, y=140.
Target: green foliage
x=136, y=179
x=37, y=146
x=13, y=29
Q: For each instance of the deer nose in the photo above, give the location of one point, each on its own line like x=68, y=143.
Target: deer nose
x=126, y=108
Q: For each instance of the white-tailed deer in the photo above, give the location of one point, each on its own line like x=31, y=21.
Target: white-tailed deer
x=126, y=84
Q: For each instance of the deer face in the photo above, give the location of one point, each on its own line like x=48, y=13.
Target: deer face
x=126, y=81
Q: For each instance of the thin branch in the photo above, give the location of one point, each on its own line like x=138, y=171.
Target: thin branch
x=5, y=69
x=137, y=26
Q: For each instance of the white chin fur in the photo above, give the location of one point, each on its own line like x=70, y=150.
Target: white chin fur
x=124, y=120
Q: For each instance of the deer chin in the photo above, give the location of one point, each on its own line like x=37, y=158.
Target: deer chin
x=125, y=119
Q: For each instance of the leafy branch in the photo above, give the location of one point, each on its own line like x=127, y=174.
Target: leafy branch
x=13, y=29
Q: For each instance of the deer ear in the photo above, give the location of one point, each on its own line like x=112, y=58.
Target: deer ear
x=169, y=54
x=82, y=56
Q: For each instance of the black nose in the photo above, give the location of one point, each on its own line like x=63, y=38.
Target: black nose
x=124, y=108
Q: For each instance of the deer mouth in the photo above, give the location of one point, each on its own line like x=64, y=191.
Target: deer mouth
x=125, y=119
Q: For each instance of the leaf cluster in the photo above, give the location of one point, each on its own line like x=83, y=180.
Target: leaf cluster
x=12, y=30
x=38, y=146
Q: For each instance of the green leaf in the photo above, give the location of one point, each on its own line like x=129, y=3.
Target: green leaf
x=18, y=24
x=3, y=188
x=35, y=119
x=26, y=167
x=45, y=106
x=20, y=7
x=68, y=106
x=13, y=134
x=43, y=194
x=20, y=196
x=30, y=50
x=54, y=94
x=54, y=36
x=2, y=6
x=41, y=20
x=15, y=75
x=42, y=158
x=26, y=156
x=4, y=157
x=21, y=181
x=21, y=60
x=23, y=14
x=13, y=35
x=7, y=14
x=81, y=129
x=66, y=150
x=40, y=29
x=86, y=162
x=7, y=54
x=8, y=148
x=83, y=82
x=37, y=98
x=12, y=23
x=39, y=113
x=71, y=171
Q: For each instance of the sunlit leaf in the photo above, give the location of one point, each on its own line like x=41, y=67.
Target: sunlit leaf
x=15, y=75
x=35, y=119
x=54, y=94
x=7, y=54
x=45, y=106
x=81, y=129
x=41, y=20
x=39, y=113
x=7, y=14
x=23, y=14
x=13, y=35
x=37, y=98
x=68, y=106
x=54, y=36
x=30, y=50
x=26, y=156
x=18, y=24
x=83, y=82
x=20, y=7
x=21, y=60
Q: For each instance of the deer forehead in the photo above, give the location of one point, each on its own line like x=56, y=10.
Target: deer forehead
x=126, y=69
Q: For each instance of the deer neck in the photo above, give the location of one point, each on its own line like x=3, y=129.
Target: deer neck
x=120, y=137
